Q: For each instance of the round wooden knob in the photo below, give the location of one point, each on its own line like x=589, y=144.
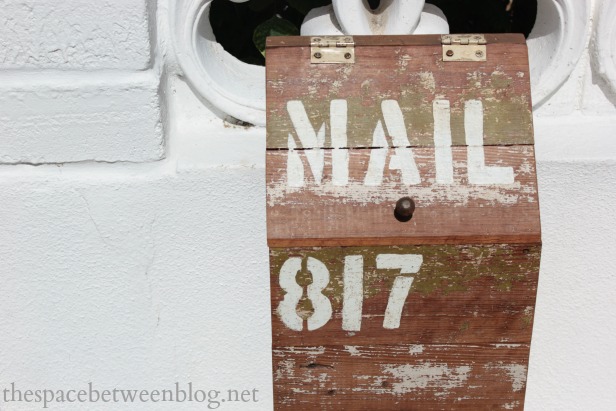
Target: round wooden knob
x=405, y=207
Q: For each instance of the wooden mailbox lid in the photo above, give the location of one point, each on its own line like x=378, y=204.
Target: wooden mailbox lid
x=344, y=143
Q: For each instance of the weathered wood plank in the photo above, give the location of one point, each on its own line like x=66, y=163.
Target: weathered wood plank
x=413, y=76
x=459, y=294
x=400, y=377
x=357, y=213
x=416, y=40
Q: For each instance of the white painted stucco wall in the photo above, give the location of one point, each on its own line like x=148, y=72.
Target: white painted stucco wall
x=132, y=225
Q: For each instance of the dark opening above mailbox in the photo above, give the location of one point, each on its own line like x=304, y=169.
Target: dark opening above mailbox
x=403, y=221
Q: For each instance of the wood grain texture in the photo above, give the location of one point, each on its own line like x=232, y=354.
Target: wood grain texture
x=400, y=377
x=412, y=74
x=328, y=215
x=468, y=294
x=416, y=40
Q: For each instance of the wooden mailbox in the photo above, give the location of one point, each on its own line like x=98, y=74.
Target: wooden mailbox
x=372, y=312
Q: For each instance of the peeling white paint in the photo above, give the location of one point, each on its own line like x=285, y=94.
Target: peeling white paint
x=285, y=369
x=416, y=349
x=512, y=405
x=427, y=80
x=403, y=63
x=410, y=378
x=515, y=372
x=353, y=350
x=311, y=352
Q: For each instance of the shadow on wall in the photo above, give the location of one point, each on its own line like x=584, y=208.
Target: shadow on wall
x=241, y=28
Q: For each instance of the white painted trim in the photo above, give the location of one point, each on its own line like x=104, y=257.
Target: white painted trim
x=603, y=50
x=230, y=85
x=556, y=43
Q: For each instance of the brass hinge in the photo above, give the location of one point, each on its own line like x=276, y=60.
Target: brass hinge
x=464, y=47
x=332, y=49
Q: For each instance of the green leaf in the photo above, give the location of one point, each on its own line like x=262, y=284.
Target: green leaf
x=275, y=26
x=304, y=6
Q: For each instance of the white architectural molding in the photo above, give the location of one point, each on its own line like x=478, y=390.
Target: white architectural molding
x=232, y=86
x=321, y=21
x=79, y=83
x=238, y=89
x=392, y=17
x=604, y=42
x=556, y=43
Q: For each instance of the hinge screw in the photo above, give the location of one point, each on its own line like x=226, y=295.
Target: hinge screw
x=479, y=53
x=449, y=53
x=347, y=55
x=317, y=55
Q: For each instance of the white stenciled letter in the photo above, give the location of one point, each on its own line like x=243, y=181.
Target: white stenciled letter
x=442, y=142
x=407, y=264
x=402, y=159
x=320, y=303
x=287, y=309
x=353, y=297
x=478, y=172
x=311, y=140
x=340, y=152
x=378, y=156
x=313, y=143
